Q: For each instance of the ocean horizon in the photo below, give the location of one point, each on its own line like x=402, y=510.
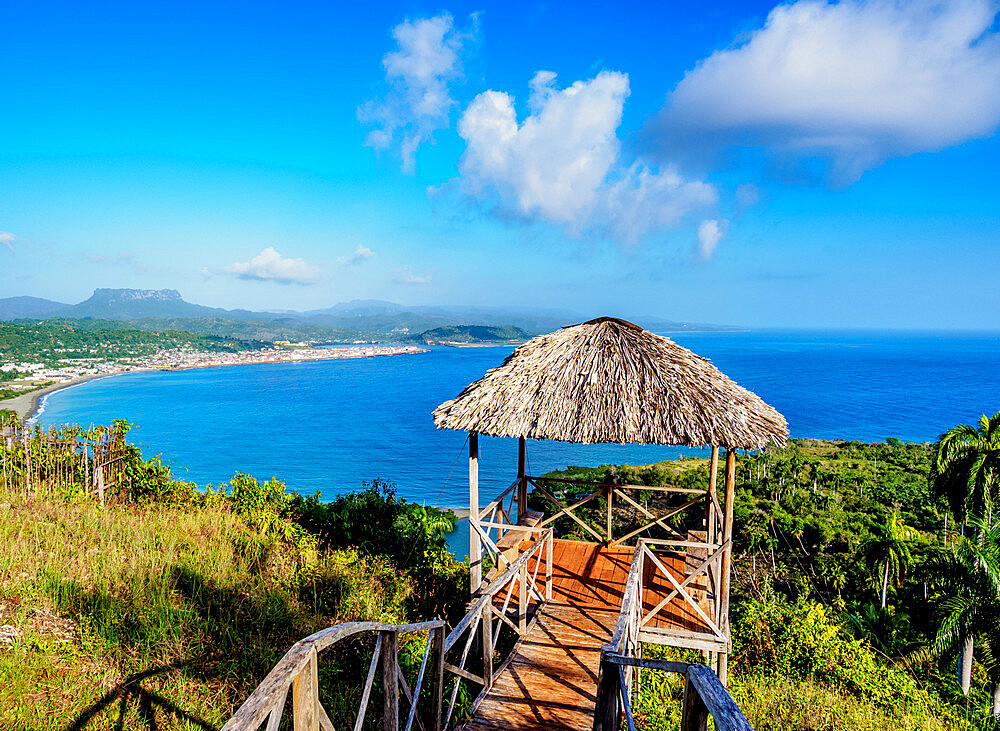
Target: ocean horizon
x=328, y=426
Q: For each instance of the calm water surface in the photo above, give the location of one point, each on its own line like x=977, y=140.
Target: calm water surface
x=328, y=425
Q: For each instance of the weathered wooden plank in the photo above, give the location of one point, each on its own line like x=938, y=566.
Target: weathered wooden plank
x=390, y=648
x=305, y=695
x=726, y=714
x=475, y=546
x=369, y=680
x=669, y=666
x=694, y=715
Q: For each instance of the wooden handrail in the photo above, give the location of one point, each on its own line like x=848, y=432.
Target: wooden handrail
x=629, y=596
x=487, y=619
x=298, y=670
x=704, y=695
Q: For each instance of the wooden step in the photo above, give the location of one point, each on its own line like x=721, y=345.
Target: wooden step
x=515, y=536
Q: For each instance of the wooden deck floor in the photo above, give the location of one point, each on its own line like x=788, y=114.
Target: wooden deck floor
x=552, y=681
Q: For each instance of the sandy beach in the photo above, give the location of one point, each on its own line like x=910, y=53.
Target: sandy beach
x=27, y=404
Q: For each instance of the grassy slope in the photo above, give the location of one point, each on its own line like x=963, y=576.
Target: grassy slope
x=174, y=613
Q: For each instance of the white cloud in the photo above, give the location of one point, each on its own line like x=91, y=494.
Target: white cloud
x=7, y=239
x=855, y=83
x=561, y=164
x=270, y=266
x=405, y=275
x=419, y=73
x=710, y=233
x=360, y=256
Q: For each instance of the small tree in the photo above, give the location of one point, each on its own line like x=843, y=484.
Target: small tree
x=886, y=551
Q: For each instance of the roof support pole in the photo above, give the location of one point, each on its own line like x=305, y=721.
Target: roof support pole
x=722, y=668
x=475, y=542
x=522, y=483
x=711, y=537
x=713, y=480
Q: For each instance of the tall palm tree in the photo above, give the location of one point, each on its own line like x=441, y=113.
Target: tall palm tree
x=886, y=550
x=966, y=471
x=966, y=467
x=972, y=606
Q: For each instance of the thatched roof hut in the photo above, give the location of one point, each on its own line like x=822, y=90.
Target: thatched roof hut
x=608, y=380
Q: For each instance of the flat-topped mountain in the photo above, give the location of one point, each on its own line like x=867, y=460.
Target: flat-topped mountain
x=129, y=304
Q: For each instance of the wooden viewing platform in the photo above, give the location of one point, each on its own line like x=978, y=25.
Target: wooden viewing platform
x=569, y=618
x=551, y=682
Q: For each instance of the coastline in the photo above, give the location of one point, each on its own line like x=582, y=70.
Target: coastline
x=29, y=405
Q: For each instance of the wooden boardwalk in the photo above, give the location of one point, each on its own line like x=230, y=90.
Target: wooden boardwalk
x=551, y=683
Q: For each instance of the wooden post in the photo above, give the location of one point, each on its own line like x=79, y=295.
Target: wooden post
x=487, y=642
x=713, y=480
x=548, y=566
x=475, y=543
x=99, y=479
x=608, y=715
x=390, y=684
x=305, y=696
x=694, y=717
x=522, y=483
x=722, y=668
x=522, y=599
x=437, y=675
x=611, y=495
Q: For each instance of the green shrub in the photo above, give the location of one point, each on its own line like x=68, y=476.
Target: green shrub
x=801, y=640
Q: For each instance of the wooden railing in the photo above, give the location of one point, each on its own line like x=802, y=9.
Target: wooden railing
x=636, y=624
x=704, y=693
x=490, y=613
x=298, y=670
x=37, y=460
x=620, y=493
x=496, y=520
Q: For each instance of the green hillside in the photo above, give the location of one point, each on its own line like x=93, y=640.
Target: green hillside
x=470, y=334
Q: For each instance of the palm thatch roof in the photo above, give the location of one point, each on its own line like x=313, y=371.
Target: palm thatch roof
x=608, y=380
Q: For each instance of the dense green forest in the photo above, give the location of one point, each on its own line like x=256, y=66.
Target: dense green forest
x=50, y=342
x=226, y=328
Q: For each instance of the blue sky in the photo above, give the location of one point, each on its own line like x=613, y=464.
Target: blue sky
x=806, y=165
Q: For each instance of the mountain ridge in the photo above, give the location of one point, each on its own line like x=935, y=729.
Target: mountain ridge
x=161, y=309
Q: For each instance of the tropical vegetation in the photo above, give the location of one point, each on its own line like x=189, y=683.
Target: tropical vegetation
x=894, y=545
x=165, y=608
x=862, y=573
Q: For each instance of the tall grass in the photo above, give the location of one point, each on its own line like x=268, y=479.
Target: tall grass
x=179, y=610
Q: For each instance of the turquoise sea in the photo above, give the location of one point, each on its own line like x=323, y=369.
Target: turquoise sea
x=329, y=425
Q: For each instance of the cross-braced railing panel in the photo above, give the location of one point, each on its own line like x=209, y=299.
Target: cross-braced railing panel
x=658, y=618
x=620, y=494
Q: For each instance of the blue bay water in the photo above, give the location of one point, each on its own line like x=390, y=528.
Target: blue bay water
x=327, y=426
